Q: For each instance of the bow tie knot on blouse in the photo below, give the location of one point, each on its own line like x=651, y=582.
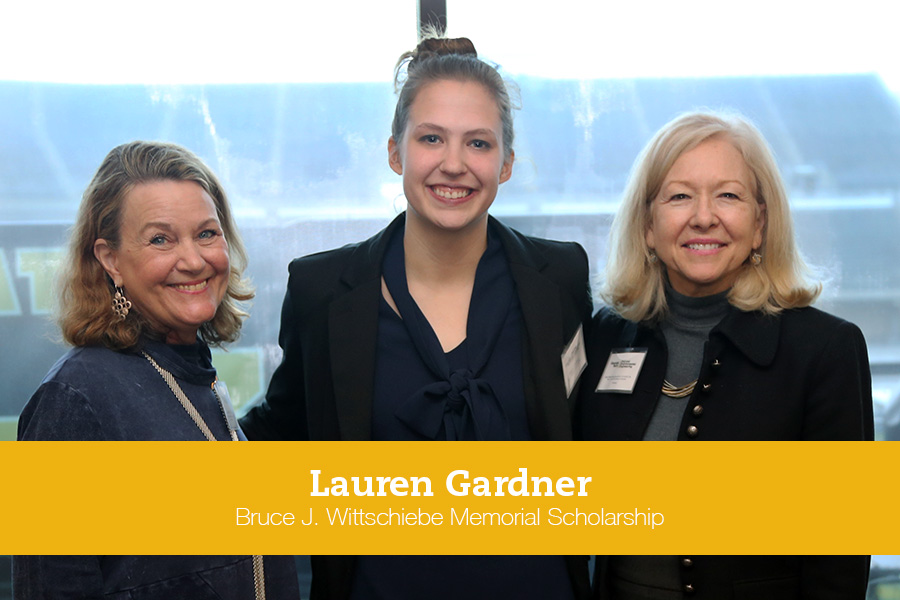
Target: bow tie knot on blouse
x=461, y=408
x=463, y=387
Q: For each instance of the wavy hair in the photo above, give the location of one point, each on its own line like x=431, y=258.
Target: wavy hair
x=84, y=314
x=635, y=286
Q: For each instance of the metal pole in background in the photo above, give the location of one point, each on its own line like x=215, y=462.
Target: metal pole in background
x=432, y=13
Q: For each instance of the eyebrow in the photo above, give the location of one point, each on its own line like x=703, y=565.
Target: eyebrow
x=439, y=129
x=690, y=185
x=168, y=227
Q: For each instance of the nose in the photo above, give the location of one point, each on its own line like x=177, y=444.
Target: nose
x=704, y=216
x=453, y=162
x=190, y=258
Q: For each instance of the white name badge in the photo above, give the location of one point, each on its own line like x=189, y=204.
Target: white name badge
x=574, y=360
x=622, y=370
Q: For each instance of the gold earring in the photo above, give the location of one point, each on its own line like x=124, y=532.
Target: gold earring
x=755, y=258
x=120, y=304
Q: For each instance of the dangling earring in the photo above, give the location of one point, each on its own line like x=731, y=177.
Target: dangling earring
x=652, y=258
x=120, y=304
x=755, y=258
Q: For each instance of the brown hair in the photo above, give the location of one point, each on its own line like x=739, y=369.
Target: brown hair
x=85, y=316
x=439, y=59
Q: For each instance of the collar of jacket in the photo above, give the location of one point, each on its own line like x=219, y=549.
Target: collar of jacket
x=365, y=260
x=755, y=334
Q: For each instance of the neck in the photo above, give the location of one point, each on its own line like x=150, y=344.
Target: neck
x=183, y=339
x=438, y=255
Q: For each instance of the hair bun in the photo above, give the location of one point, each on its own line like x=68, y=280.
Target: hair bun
x=440, y=46
x=432, y=45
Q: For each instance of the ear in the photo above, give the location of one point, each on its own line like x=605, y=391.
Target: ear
x=507, y=168
x=107, y=257
x=648, y=235
x=394, y=156
x=760, y=227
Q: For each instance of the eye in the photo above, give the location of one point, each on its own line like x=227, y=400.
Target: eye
x=158, y=240
x=731, y=196
x=480, y=144
x=208, y=234
x=430, y=139
x=680, y=196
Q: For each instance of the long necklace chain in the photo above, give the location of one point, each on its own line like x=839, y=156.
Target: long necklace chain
x=259, y=576
x=188, y=406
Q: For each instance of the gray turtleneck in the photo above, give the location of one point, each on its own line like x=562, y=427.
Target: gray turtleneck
x=686, y=329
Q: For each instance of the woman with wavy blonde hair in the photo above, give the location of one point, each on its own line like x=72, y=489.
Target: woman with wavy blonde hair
x=709, y=335
x=154, y=276
x=635, y=283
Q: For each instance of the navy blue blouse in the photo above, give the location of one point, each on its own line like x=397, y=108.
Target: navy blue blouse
x=473, y=392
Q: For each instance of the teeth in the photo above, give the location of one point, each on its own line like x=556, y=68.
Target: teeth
x=451, y=193
x=704, y=246
x=191, y=288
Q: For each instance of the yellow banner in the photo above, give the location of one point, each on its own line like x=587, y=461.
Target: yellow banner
x=449, y=498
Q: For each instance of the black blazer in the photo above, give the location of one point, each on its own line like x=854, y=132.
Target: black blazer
x=800, y=375
x=323, y=388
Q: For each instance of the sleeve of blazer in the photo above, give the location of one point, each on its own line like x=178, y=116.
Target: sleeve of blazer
x=282, y=415
x=839, y=405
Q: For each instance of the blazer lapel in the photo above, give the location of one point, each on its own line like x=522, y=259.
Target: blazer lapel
x=549, y=413
x=353, y=335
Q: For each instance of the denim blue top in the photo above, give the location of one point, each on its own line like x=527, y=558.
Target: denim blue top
x=95, y=393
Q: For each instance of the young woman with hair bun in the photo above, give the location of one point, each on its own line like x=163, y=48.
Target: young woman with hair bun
x=446, y=325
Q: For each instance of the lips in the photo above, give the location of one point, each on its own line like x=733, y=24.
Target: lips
x=450, y=193
x=191, y=287
x=705, y=246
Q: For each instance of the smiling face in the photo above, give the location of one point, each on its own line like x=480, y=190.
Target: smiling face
x=450, y=155
x=705, y=221
x=172, y=257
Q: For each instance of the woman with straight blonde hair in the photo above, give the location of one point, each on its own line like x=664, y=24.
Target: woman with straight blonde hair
x=709, y=304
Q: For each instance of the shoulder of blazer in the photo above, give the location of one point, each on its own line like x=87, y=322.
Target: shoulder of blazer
x=611, y=330
x=538, y=253
x=316, y=278
x=564, y=263
x=811, y=330
x=812, y=318
x=758, y=336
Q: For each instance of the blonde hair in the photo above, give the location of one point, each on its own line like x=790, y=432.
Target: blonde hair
x=635, y=286
x=85, y=316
